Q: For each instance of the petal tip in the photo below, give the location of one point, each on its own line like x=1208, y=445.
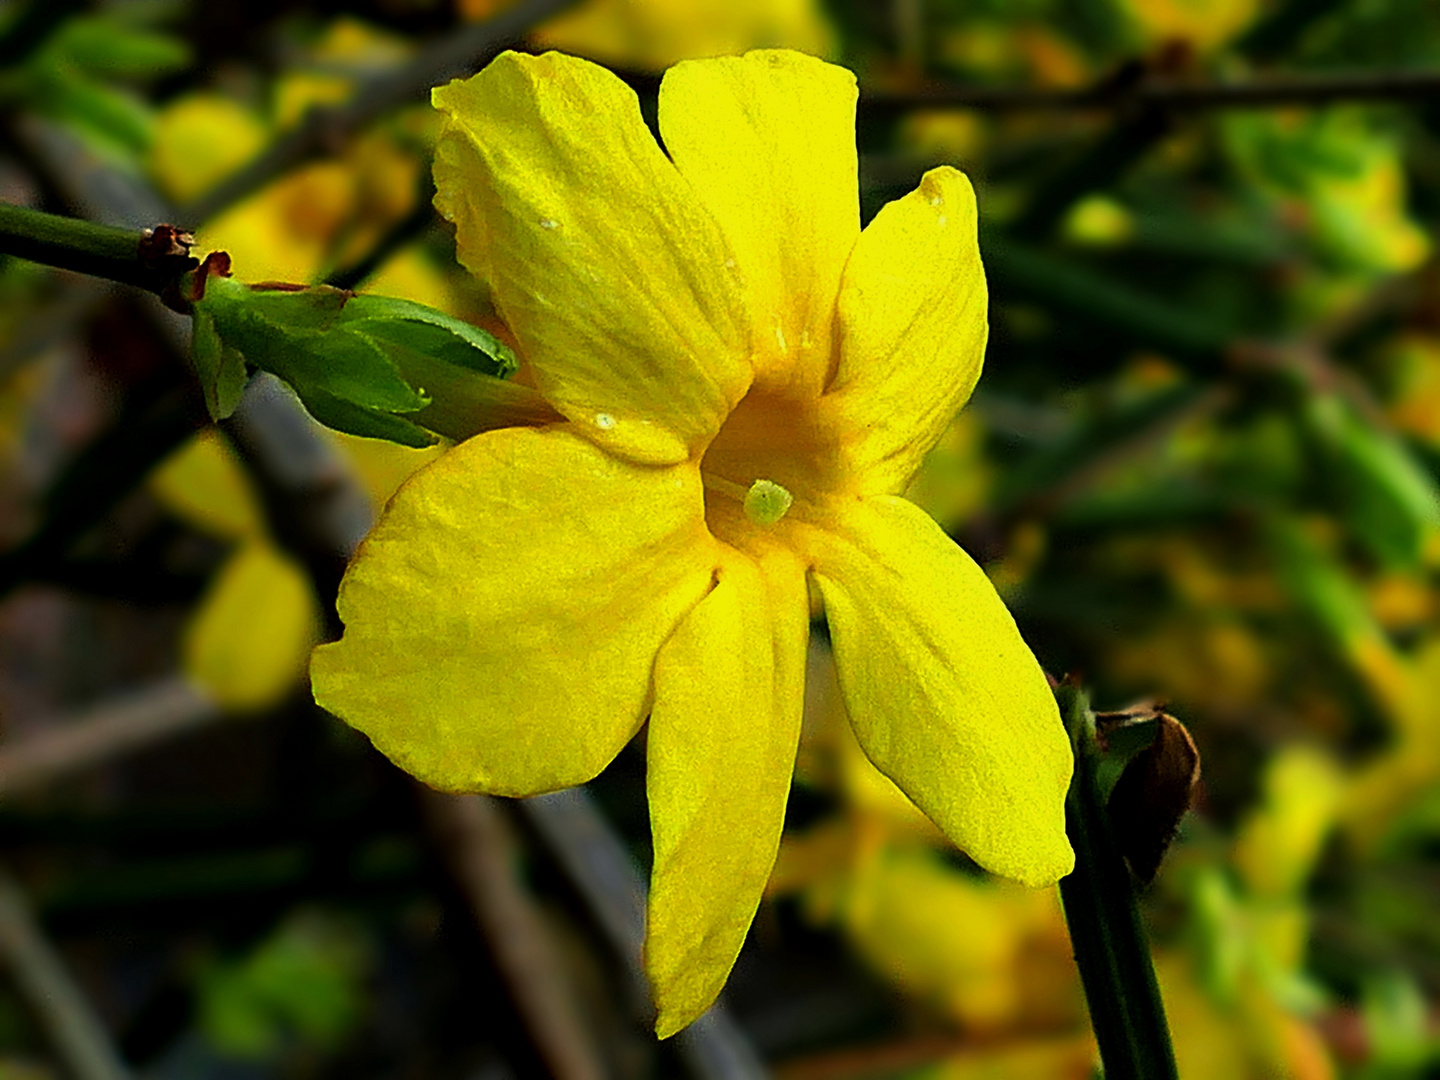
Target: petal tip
x=674, y=1016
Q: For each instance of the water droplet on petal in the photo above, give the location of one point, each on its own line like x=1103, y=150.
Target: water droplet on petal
x=604, y=421
x=549, y=223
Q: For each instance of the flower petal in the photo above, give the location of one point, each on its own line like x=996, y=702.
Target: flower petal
x=912, y=316
x=502, y=619
x=614, y=277
x=944, y=695
x=768, y=142
x=729, y=689
x=247, y=642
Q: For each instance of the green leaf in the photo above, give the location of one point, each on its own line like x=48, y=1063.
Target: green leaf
x=464, y=402
x=1396, y=1017
x=104, y=46
x=108, y=115
x=1319, y=584
x=303, y=985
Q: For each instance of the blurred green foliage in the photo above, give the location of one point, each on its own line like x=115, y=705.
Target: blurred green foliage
x=302, y=986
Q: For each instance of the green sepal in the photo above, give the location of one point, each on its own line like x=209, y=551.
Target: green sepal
x=433, y=333
x=465, y=402
x=220, y=367
x=358, y=361
x=367, y=423
x=295, y=335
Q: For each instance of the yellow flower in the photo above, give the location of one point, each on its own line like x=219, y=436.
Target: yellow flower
x=1204, y=24
x=712, y=325
x=247, y=642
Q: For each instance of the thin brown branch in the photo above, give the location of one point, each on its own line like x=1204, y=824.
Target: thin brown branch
x=107, y=731
x=78, y=1036
x=1168, y=93
x=480, y=850
x=323, y=131
x=602, y=871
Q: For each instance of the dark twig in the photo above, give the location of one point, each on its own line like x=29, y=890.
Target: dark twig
x=478, y=845
x=1071, y=288
x=1169, y=94
x=76, y=1032
x=396, y=237
x=316, y=507
x=325, y=130
x=102, y=474
x=603, y=872
x=1098, y=167
x=159, y=711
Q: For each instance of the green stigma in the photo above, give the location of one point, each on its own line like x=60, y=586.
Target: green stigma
x=766, y=502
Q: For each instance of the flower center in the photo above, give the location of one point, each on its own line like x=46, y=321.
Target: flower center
x=767, y=502
x=771, y=460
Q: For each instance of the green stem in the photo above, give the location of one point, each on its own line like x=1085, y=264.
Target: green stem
x=98, y=250
x=1110, y=948
x=1068, y=287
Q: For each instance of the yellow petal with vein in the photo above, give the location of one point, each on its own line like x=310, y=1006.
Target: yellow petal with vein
x=944, y=695
x=248, y=641
x=729, y=690
x=502, y=619
x=912, y=315
x=768, y=142
x=616, y=280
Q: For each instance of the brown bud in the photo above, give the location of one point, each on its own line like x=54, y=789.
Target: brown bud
x=1153, y=793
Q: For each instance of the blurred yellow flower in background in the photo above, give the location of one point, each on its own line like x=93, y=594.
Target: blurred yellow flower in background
x=1202, y=24
x=1338, y=173
x=747, y=379
x=654, y=34
x=248, y=641
x=319, y=215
